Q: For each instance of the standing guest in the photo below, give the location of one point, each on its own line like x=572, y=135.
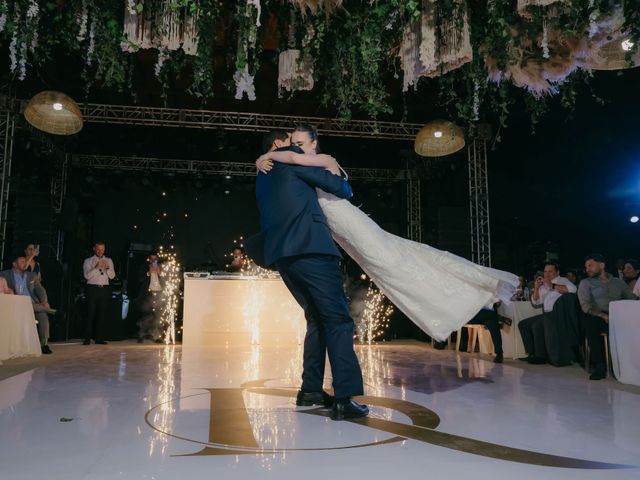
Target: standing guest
x=238, y=260
x=22, y=282
x=31, y=252
x=98, y=270
x=595, y=293
x=151, y=303
x=631, y=272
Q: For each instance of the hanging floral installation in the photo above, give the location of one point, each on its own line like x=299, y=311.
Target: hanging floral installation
x=435, y=43
x=317, y=5
x=169, y=26
x=248, y=16
x=295, y=68
x=351, y=54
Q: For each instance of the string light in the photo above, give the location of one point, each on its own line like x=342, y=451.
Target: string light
x=375, y=316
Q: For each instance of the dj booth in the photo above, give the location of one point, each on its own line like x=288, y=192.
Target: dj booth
x=239, y=309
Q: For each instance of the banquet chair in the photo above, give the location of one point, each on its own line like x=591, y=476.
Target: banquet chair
x=607, y=355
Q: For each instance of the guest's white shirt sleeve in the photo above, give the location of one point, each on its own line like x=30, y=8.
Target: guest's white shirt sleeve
x=543, y=291
x=90, y=270
x=92, y=274
x=571, y=288
x=636, y=289
x=111, y=272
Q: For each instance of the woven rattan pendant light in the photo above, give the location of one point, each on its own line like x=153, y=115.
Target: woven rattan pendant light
x=54, y=112
x=439, y=138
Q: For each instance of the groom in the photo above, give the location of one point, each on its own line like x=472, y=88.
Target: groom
x=296, y=239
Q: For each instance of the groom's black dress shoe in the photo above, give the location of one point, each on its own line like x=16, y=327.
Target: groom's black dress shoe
x=349, y=409
x=307, y=399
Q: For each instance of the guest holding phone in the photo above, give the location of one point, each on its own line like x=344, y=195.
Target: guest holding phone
x=31, y=253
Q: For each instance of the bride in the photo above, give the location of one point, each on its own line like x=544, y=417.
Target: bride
x=437, y=290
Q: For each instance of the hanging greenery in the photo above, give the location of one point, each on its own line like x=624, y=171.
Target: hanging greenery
x=355, y=49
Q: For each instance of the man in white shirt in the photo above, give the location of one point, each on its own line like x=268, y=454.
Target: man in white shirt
x=98, y=270
x=547, y=290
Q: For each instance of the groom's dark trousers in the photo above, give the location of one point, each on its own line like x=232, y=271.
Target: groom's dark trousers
x=316, y=283
x=295, y=237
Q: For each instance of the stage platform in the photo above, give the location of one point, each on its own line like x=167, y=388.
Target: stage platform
x=129, y=411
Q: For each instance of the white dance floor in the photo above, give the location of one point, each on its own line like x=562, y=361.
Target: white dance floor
x=128, y=411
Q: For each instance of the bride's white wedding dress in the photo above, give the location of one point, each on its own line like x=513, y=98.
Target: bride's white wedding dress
x=437, y=290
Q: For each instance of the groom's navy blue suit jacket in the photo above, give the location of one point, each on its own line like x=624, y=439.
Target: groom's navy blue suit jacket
x=291, y=220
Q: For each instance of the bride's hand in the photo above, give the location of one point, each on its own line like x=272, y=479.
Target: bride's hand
x=264, y=164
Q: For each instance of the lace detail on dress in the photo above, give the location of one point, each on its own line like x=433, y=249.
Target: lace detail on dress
x=437, y=290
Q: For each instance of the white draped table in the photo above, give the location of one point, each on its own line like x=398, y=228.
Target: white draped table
x=511, y=340
x=240, y=310
x=624, y=340
x=18, y=332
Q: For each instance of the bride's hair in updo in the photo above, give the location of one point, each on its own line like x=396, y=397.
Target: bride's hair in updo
x=312, y=131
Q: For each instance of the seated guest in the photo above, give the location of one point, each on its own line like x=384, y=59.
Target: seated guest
x=31, y=252
x=546, y=291
x=4, y=288
x=620, y=267
x=492, y=321
x=595, y=293
x=631, y=272
x=572, y=275
x=25, y=283
x=522, y=292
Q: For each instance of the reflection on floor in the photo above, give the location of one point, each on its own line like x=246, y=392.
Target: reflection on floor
x=154, y=412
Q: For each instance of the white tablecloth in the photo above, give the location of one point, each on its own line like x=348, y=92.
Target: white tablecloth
x=511, y=340
x=240, y=311
x=18, y=333
x=624, y=340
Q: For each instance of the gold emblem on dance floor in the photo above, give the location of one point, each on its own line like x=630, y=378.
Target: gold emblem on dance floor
x=231, y=433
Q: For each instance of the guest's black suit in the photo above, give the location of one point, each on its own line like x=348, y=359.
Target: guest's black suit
x=296, y=239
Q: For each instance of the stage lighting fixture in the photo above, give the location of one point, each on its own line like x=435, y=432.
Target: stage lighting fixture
x=634, y=219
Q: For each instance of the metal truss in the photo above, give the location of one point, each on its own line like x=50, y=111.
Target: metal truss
x=414, y=214
x=58, y=191
x=256, y=122
x=7, y=128
x=479, y=202
x=144, y=164
x=59, y=184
